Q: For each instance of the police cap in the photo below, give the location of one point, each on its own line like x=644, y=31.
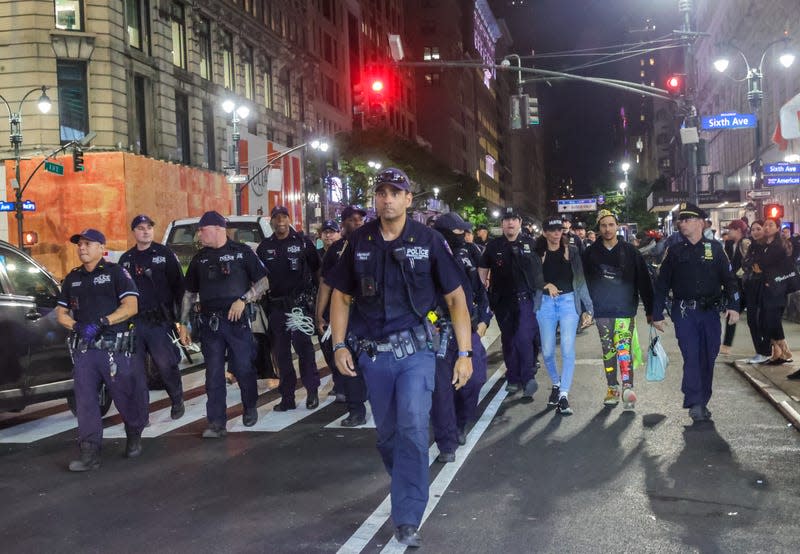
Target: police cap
x=139, y=219
x=395, y=177
x=511, y=214
x=330, y=225
x=92, y=235
x=552, y=223
x=451, y=221
x=351, y=210
x=212, y=218
x=687, y=210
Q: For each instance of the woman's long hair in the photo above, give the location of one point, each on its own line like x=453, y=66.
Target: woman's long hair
x=787, y=246
x=540, y=246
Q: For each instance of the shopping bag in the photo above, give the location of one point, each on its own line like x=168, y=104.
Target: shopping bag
x=657, y=359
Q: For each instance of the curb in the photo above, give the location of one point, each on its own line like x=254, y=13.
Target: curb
x=784, y=403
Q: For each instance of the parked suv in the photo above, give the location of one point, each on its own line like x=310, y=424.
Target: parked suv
x=36, y=364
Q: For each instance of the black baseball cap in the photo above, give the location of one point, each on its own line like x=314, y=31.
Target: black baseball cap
x=278, y=210
x=92, y=235
x=450, y=222
x=552, y=223
x=330, y=225
x=141, y=218
x=350, y=210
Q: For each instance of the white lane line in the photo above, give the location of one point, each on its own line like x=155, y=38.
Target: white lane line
x=367, y=531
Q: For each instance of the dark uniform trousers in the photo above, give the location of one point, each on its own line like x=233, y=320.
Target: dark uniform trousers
x=354, y=388
x=235, y=338
x=282, y=342
x=452, y=409
x=400, y=396
x=154, y=337
x=698, y=333
x=518, y=344
x=128, y=389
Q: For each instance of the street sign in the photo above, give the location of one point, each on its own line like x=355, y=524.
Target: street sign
x=237, y=179
x=8, y=206
x=778, y=180
x=782, y=168
x=731, y=120
x=29, y=206
x=760, y=193
x=54, y=167
x=577, y=205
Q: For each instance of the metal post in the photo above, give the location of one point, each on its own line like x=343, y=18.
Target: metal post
x=236, y=136
x=755, y=95
x=686, y=7
x=18, y=195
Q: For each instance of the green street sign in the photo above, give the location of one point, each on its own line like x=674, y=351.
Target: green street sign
x=54, y=167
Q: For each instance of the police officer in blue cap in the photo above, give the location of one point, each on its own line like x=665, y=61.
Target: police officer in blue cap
x=698, y=273
x=226, y=275
x=158, y=276
x=351, y=390
x=452, y=410
x=97, y=301
x=392, y=272
x=293, y=264
x=516, y=278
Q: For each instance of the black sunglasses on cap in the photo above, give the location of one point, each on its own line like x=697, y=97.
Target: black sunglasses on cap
x=390, y=176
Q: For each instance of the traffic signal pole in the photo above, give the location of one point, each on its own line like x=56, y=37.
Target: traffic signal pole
x=686, y=7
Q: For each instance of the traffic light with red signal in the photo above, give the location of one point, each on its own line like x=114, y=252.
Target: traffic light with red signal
x=773, y=211
x=29, y=238
x=676, y=84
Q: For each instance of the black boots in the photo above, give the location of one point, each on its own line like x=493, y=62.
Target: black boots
x=90, y=458
x=133, y=448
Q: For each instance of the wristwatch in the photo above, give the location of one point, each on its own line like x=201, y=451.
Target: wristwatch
x=465, y=353
x=243, y=298
x=339, y=346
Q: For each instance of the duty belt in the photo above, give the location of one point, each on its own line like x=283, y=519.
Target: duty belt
x=701, y=304
x=402, y=343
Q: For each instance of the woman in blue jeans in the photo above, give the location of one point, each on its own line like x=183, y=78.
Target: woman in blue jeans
x=560, y=305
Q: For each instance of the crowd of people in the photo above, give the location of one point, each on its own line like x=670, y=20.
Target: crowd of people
x=399, y=309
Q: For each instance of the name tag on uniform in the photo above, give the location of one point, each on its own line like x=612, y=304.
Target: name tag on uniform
x=159, y=260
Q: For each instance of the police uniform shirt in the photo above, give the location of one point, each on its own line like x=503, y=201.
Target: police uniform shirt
x=157, y=274
x=513, y=265
x=695, y=272
x=384, y=277
x=291, y=263
x=477, y=299
x=222, y=275
x=91, y=295
x=331, y=258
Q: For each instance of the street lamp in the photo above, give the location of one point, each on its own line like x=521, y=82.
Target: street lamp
x=623, y=186
x=375, y=165
x=755, y=94
x=238, y=113
x=321, y=145
x=436, y=192
x=15, y=121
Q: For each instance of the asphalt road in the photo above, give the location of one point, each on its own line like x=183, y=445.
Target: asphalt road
x=528, y=480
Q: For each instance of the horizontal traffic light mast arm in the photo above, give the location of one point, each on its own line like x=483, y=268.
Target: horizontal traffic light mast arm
x=82, y=142
x=613, y=83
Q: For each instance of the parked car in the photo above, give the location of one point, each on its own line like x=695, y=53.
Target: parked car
x=36, y=364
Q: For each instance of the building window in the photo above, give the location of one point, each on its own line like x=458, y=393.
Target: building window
x=489, y=162
x=178, y=23
x=208, y=134
x=268, y=85
x=652, y=61
x=73, y=104
x=182, y=128
x=430, y=53
x=301, y=94
x=204, y=37
x=138, y=24
x=247, y=62
x=287, y=96
x=432, y=79
x=227, y=61
x=69, y=15
x=139, y=126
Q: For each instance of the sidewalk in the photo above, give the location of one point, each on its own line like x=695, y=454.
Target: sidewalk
x=770, y=380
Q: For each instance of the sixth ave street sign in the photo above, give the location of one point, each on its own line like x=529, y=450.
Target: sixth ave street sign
x=731, y=120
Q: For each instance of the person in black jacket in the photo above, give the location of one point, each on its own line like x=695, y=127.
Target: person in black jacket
x=617, y=277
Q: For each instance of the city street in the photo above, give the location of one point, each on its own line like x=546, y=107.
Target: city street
x=528, y=480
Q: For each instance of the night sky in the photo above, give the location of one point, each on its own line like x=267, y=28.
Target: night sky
x=577, y=117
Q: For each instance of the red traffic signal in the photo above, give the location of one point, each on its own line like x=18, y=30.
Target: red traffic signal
x=773, y=211
x=675, y=84
x=376, y=86
x=29, y=238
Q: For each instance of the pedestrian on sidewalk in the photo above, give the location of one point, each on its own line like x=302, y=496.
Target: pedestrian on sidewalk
x=617, y=277
x=698, y=273
x=560, y=307
x=736, y=247
x=752, y=290
x=775, y=262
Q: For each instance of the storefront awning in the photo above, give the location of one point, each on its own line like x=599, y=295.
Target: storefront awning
x=664, y=201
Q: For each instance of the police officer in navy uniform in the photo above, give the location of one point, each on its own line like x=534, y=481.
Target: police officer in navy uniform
x=226, y=275
x=97, y=301
x=516, y=277
x=351, y=390
x=392, y=271
x=157, y=274
x=698, y=273
x=452, y=410
x=293, y=265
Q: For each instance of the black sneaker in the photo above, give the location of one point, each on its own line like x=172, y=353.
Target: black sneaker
x=285, y=406
x=214, y=431
x=354, y=420
x=563, y=406
x=177, y=411
x=698, y=413
x=133, y=447
x=554, y=394
x=312, y=401
x=794, y=376
x=408, y=535
x=462, y=436
x=446, y=457
x=250, y=416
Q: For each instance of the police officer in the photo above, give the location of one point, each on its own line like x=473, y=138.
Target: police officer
x=293, y=265
x=516, y=277
x=227, y=276
x=329, y=233
x=481, y=235
x=157, y=274
x=351, y=390
x=392, y=271
x=572, y=237
x=96, y=302
x=698, y=273
x=453, y=410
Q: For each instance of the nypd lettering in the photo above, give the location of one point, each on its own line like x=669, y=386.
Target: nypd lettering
x=418, y=253
x=104, y=278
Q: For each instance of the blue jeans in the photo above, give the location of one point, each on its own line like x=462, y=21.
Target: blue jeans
x=559, y=311
x=400, y=395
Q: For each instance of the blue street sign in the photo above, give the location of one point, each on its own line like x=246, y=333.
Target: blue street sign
x=731, y=120
x=776, y=180
x=782, y=168
x=7, y=206
x=29, y=206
